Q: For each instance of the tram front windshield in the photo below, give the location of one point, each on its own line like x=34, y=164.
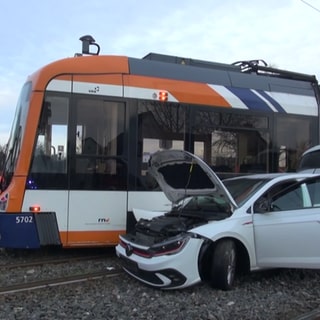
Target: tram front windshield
x=14, y=143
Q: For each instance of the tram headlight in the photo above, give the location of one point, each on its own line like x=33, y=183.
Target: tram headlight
x=35, y=208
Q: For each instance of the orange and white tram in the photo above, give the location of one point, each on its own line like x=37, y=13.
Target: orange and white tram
x=84, y=129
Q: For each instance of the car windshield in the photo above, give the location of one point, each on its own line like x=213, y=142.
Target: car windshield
x=208, y=207
x=243, y=188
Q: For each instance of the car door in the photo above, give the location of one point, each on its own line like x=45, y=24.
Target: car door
x=287, y=225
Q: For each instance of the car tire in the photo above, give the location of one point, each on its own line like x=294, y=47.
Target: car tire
x=223, y=265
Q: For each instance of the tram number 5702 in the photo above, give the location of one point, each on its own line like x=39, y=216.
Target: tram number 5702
x=24, y=219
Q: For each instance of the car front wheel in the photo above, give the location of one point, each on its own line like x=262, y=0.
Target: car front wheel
x=223, y=266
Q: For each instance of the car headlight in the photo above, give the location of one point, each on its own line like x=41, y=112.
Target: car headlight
x=171, y=246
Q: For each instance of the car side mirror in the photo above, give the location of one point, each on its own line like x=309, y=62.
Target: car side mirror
x=262, y=205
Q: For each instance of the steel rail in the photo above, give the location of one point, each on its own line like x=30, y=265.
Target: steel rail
x=40, y=262
x=59, y=281
x=312, y=315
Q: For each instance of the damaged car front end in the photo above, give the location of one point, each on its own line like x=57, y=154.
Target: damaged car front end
x=163, y=264
x=158, y=250
x=208, y=236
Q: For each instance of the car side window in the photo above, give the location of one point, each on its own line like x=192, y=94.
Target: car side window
x=313, y=187
x=282, y=197
x=289, y=199
x=292, y=195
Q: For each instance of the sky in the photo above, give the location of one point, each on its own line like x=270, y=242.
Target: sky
x=34, y=33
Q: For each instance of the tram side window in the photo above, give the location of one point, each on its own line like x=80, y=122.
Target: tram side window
x=161, y=127
x=292, y=142
x=99, y=152
x=232, y=143
x=50, y=153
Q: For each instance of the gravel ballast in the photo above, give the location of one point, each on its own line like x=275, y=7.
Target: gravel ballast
x=277, y=294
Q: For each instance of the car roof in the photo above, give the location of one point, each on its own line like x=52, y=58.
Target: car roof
x=279, y=176
x=312, y=149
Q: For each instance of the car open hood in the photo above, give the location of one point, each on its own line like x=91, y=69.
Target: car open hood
x=181, y=174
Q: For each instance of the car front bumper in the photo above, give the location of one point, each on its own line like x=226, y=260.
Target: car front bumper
x=172, y=271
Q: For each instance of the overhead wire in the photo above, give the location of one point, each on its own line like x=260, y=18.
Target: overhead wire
x=310, y=5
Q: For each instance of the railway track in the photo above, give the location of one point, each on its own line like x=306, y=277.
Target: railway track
x=53, y=261
x=27, y=271
x=33, y=285
x=92, y=276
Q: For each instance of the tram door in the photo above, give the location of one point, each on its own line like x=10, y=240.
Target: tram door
x=98, y=171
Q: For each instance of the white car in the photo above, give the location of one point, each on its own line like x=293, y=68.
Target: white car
x=309, y=161
x=216, y=230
